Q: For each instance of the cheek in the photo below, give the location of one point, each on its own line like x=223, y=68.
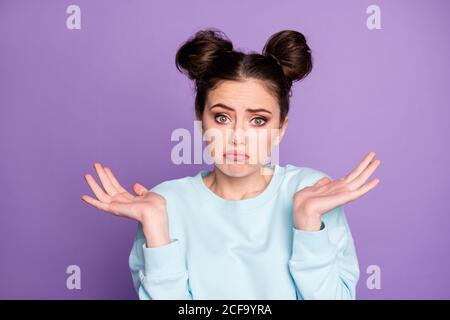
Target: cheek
x=260, y=142
x=215, y=138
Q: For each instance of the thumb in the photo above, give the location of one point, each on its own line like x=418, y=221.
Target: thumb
x=322, y=182
x=139, y=189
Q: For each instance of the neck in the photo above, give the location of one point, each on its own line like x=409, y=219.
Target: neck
x=237, y=188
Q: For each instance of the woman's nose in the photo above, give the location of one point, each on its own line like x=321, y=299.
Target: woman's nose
x=238, y=136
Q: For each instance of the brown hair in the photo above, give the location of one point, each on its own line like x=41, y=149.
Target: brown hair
x=208, y=58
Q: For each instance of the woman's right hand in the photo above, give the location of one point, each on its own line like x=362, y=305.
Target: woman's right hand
x=149, y=208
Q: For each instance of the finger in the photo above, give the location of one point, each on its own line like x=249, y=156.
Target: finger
x=346, y=197
x=139, y=189
x=362, y=178
x=360, y=168
x=116, y=208
x=117, y=185
x=365, y=188
x=99, y=193
x=110, y=189
x=114, y=181
x=95, y=203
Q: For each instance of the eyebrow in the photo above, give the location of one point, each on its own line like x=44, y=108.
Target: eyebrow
x=231, y=109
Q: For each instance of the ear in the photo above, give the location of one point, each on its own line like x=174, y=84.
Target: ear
x=283, y=130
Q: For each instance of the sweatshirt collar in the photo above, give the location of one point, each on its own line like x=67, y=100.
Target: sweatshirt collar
x=216, y=201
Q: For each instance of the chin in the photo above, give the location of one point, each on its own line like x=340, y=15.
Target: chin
x=237, y=170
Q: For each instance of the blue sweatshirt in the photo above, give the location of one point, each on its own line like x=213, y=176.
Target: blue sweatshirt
x=245, y=249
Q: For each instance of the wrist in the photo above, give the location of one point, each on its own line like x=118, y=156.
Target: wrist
x=308, y=222
x=155, y=235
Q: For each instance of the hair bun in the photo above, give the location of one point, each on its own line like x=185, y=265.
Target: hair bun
x=195, y=56
x=290, y=51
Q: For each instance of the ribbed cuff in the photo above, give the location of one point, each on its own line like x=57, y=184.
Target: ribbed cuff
x=164, y=260
x=311, y=244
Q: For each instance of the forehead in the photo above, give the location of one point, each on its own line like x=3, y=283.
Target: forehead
x=249, y=93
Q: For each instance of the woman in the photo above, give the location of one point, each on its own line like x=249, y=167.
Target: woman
x=246, y=229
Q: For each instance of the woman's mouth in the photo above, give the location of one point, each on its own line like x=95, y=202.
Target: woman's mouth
x=235, y=155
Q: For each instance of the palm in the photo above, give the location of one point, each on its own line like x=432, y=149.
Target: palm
x=326, y=195
x=124, y=203
x=117, y=200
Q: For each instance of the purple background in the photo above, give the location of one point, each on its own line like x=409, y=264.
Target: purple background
x=110, y=92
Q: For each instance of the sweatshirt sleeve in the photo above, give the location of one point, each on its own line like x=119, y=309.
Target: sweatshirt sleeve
x=159, y=272
x=323, y=263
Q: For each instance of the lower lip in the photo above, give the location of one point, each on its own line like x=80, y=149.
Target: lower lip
x=236, y=156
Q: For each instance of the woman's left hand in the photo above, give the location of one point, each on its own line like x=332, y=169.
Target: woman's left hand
x=310, y=203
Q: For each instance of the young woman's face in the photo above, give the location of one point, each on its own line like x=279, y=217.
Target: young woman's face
x=241, y=125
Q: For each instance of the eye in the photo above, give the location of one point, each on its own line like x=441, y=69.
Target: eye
x=221, y=118
x=259, y=121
